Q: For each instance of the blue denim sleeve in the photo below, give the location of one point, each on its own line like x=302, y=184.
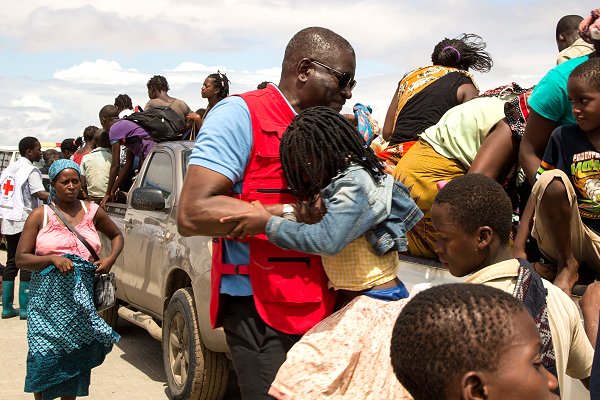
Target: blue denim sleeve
x=348, y=217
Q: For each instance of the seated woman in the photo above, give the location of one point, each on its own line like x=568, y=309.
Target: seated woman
x=425, y=94
x=480, y=136
x=325, y=159
x=66, y=337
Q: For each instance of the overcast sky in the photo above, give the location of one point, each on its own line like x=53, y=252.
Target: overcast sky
x=61, y=61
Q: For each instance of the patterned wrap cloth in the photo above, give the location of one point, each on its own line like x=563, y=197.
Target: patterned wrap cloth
x=530, y=290
x=516, y=109
x=66, y=336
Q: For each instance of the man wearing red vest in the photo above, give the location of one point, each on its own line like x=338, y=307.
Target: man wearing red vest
x=264, y=297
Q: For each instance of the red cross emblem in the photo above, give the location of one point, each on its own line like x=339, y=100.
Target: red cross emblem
x=7, y=187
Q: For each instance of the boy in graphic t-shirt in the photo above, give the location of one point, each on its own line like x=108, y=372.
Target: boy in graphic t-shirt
x=563, y=213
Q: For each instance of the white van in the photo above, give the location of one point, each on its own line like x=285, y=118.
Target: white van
x=8, y=155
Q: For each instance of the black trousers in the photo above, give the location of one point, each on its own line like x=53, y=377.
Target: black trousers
x=11, y=270
x=257, y=350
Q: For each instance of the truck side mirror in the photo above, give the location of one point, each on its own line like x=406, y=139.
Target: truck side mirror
x=147, y=199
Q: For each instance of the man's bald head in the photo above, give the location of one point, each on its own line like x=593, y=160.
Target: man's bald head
x=108, y=114
x=109, y=111
x=316, y=61
x=567, y=31
x=314, y=43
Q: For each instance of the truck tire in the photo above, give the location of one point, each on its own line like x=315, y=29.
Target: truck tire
x=110, y=315
x=193, y=372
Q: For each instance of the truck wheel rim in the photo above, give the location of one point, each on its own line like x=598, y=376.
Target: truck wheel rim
x=178, y=349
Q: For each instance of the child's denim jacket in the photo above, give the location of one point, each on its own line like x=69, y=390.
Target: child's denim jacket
x=356, y=205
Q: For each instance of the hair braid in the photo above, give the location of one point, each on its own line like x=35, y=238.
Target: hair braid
x=319, y=144
x=123, y=102
x=464, y=52
x=221, y=81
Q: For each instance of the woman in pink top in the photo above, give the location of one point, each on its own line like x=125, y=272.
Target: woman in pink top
x=66, y=337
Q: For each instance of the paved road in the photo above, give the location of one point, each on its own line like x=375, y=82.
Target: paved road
x=132, y=371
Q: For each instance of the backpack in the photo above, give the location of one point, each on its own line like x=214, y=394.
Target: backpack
x=162, y=123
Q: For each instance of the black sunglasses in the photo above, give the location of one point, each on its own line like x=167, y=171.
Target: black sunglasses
x=344, y=79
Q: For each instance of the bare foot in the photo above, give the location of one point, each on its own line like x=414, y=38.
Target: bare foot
x=567, y=276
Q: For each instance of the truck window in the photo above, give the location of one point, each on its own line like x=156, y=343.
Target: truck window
x=159, y=175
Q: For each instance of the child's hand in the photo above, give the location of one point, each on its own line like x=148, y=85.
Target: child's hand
x=311, y=214
x=250, y=223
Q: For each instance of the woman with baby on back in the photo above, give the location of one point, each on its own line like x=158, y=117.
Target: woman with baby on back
x=326, y=161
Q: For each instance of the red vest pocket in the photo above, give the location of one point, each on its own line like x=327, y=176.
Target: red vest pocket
x=277, y=274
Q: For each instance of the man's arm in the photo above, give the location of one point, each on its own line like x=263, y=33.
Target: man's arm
x=525, y=225
x=112, y=176
x=388, y=124
x=535, y=139
x=36, y=186
x=204, y=200
x=497, y=153
x=84, y=187
x=580, y=352
x=466, y=92
x=124, y=172
x=42, y=195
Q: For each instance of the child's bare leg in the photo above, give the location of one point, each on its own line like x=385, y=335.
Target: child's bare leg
x=555, y=210
x=37, y=396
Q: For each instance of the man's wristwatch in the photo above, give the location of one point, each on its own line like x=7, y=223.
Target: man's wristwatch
x=288, y=212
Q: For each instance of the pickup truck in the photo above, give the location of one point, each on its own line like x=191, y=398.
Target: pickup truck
x=163, y=280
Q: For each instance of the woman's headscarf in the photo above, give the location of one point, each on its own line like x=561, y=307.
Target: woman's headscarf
x=56, y=168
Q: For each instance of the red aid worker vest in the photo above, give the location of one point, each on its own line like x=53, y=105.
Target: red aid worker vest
x=290, y=287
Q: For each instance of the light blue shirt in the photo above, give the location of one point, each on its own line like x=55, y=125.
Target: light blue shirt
x=223, y=146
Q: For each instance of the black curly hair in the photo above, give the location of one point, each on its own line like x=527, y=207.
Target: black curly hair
x=475, y=200
x=319, y=144
x=588, y=72
x=222, y=82
x=27, y=143
x=465, y=52
x=123, y=102
x=158, y=82
x=448, y=330
x=89, y=133
x=69, y=146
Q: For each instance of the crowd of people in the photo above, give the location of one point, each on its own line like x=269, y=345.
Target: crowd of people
x=309, y=210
